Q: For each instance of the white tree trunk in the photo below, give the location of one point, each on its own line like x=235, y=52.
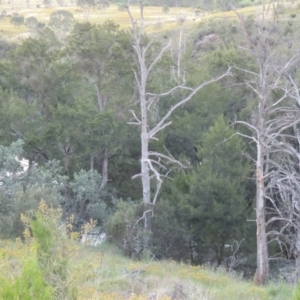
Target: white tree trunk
x=262, y=249
x=152, y=161
x=100, y=98
x=102, y=104
x=179, y=53
x=104, y=169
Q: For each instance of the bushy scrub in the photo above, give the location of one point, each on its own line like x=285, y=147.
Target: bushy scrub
x=246, y=3
x=21, y=201
x=43, y=273
x=171, y=239
x=21, y=191
x=87, y=199
x=28, y=200
x=53, y=252
x=124, y=227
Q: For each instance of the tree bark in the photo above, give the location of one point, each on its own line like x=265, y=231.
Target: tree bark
x=144, y=146
x=102, y=104
x=145, y=172
x=104, y=169
x=66, y=159
x=100, y=98
x=92, y=162
x=261, y=274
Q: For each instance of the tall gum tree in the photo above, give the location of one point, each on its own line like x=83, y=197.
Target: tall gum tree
x=153, y=164
x=101, y=54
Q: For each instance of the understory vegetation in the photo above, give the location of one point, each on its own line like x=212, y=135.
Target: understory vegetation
x=50, y=264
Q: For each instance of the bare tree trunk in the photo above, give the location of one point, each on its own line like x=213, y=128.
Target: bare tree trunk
x=173, y=69
x=102, y=104
x=261, y=274
x=145, y=172
x=179, y=52
x=144, y=141
x=92, y=162
x=100, y=98
x=66, y=164
x=220, y=254
x=104, y=169
x=66, y=151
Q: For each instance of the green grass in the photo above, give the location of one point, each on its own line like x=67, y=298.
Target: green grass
x=104, y=273
x=114, y=274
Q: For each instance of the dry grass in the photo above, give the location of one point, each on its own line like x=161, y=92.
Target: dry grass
x=153, y=16
x=155, y=19
x=103, y=273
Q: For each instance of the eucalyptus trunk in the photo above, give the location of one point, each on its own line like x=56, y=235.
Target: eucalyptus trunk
x=261, y=274
x=102, y=105
x=104, y=168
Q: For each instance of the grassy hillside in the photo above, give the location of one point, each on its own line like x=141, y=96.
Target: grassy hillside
x=166, y=279
x=103, y=273
x=49, y=264
x=154, y=17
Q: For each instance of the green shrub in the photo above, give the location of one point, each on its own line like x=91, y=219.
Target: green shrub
x=19, y=202
x=121, y=6
x=52, y=249
x=29, y=286
x=45, y=274
x=124, y=229
x=17, y=20
x=246, y=3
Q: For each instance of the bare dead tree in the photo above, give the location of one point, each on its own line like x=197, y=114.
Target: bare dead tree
x=284, y=218
x=273, y=115
x=152, y=162
x=176, y=54
x=232, y=261
x=284, y=184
